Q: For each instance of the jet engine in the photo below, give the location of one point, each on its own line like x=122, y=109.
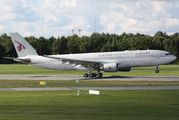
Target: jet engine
x=114, y=67
x=110, y=67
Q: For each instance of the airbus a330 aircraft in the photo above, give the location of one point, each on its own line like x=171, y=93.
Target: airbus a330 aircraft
x=106, y=61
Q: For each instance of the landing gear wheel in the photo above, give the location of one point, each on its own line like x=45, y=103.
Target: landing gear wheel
x=100, y=74
x=85, y=75
x=94, y=74
x=157, y=67
x=91, y=75
x=157, y=71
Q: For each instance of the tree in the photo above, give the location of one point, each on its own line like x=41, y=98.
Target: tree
x=85, y=45
x=43, y=46
x=73, y=44
x=51, y=41
x=2, y=54
x=33, y=41
x=60, y=45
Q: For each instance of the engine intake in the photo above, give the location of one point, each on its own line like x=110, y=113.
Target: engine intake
x=110, y=67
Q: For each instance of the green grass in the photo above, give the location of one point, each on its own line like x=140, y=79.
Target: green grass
x=113, y=105
x=21, y=69
x=66, y=105
x=83, y=83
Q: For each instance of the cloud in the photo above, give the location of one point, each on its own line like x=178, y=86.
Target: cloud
x=57, y=17
x=142, y=16
x=2, y=28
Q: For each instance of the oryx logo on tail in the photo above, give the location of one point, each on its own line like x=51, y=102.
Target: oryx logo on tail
x=20, y=47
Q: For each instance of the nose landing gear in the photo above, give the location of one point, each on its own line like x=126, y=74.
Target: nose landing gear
x=157, y=67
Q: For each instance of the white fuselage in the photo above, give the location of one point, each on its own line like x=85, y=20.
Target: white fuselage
x=106, y=61
x=125, y=59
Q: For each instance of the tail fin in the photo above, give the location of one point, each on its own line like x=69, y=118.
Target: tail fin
x=23, y=48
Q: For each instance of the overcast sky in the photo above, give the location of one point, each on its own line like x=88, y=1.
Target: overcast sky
x=58, y=17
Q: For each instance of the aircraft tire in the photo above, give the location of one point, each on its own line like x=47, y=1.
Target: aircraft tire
x=94, y=74
x=85, y=75
x=91, y=75
x=157, y=71
x=100, y=74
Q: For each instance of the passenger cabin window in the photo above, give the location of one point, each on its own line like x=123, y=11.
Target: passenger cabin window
x=168, y=54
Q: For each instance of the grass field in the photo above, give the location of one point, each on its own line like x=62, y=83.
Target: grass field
x=66, y=105
x=21, y=69
x=113, y=105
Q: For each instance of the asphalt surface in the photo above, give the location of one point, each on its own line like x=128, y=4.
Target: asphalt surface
x=121, y=78
x=109, y=78
x=94, y=88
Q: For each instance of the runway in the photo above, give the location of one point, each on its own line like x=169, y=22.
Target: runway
x=94, y=88
x=109, y=78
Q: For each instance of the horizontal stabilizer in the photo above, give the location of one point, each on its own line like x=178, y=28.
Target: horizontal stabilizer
x=22, y=60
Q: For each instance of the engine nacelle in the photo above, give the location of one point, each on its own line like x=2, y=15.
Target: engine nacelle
x=114, y=67
x=110, y=67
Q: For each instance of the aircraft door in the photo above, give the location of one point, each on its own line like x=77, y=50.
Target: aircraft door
x=115, y=56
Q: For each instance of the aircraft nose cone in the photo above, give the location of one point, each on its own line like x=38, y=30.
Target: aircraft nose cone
x=175, y=57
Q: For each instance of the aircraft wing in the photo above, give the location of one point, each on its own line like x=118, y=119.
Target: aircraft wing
x=84, y=63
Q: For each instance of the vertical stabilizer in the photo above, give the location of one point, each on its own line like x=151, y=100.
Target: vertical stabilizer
x=23, y=48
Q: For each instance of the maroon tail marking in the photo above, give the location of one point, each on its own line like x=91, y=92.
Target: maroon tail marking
x=20, y=47
x=40, y=54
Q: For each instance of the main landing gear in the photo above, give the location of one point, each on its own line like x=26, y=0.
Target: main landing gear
x=157, y=67
x=90, y=74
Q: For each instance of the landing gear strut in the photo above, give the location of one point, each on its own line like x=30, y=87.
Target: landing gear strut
x=157, y=67
x=90, y=74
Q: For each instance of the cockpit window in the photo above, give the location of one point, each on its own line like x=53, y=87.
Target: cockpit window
x=168, y=54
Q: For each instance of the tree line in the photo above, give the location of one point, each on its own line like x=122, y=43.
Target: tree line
x=94, y=43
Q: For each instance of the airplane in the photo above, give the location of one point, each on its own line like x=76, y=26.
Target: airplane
x=99, y=61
